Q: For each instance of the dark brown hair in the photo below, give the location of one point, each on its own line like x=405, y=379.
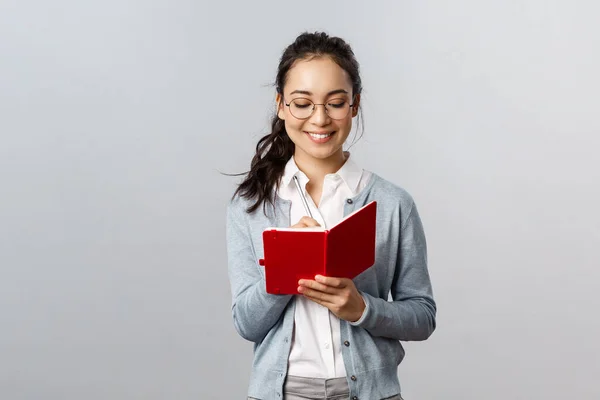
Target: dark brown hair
x=274, y=150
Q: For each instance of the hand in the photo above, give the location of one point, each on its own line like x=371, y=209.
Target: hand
x=339, y=295
x=306, y=222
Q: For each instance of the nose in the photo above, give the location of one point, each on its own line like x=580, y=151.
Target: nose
x=320, y=116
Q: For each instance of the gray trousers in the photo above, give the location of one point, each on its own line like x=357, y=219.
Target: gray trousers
x=299, y=388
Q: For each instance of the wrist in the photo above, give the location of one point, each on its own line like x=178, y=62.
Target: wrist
x=361, y=309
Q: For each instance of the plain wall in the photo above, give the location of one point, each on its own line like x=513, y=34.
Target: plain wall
x=117, y=117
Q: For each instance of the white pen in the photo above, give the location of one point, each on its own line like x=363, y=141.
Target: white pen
x=302, y=196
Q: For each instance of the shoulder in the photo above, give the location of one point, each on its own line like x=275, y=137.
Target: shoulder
x=237, y=209
x=389, y=192
x=237, y=202
x=265, y=212
x=394, y=202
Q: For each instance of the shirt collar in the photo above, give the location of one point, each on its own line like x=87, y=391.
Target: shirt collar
x=291, y=169
x=350, y=173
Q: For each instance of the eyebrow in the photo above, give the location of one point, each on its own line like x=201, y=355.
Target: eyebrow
x=306, y=92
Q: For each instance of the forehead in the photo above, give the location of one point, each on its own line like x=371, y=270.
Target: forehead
x=318, y=76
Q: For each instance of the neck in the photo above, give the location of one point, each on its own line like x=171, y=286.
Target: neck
x=316, y=169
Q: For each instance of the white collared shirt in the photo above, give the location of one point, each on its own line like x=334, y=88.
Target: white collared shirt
x=316, y=348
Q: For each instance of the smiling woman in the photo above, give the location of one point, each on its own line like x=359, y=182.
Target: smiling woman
x=318, y=118
x=336, y=338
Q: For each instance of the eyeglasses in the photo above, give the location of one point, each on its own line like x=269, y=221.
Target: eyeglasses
x=302, y=108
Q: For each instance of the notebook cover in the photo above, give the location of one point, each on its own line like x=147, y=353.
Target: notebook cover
x=290, y=256
x=351, y=244
x=344, y=251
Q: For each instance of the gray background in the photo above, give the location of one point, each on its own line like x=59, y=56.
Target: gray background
x=117, y=116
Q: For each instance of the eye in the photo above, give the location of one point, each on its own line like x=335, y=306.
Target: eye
x=337, y=104
x=301, y=104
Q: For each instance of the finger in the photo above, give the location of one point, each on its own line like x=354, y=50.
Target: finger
x=338, y=283
x=306, y=222
x=309, y=222
x=321, y=302
x=316, y=295
x=300, y=224
x=308, y=283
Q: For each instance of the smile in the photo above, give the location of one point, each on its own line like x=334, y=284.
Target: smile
x=319, y=137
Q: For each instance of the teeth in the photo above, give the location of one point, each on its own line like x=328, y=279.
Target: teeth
x=319, y=136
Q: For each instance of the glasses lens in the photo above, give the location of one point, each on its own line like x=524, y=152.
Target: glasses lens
x=301, y=108
x=337, y=108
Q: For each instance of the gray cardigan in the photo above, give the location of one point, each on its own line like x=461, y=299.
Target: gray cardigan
x=371, y=346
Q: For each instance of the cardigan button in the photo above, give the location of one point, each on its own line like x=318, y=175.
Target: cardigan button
x=349, y=201
x=347, y=343
x=353, y=377
x=354, y=398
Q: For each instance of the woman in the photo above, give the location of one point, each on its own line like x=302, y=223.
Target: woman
x=338, y=338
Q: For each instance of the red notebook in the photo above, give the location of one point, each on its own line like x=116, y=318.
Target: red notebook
x=343, y=251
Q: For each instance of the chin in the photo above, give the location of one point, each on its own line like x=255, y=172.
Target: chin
x=318, y=151
x=323, y=154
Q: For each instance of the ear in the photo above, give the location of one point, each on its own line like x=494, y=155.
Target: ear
x=279, y=104
x=355, y=105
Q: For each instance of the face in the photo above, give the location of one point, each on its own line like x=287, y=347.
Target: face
x=319, y=137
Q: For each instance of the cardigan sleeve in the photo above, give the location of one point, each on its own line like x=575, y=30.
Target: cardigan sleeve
x=254, y=310
x=410, y=316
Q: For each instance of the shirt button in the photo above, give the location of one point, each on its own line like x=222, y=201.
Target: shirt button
x=353, y=377
x=349, y=201
x=347, y=343
x=326, y=345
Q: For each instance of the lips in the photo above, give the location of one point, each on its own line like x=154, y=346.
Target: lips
x=319, y=137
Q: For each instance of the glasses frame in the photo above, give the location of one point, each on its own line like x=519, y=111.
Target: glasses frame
x=315, y=107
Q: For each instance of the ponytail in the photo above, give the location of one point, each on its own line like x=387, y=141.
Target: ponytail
x=273, y=151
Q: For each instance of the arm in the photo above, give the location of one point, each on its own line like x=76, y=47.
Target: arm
x=411, y=314
x=254, y=310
